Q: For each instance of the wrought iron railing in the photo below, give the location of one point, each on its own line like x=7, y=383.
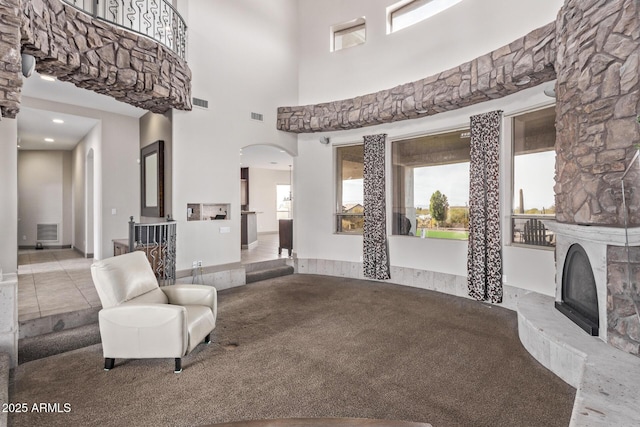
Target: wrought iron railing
x=158, y=242
x=153, y=18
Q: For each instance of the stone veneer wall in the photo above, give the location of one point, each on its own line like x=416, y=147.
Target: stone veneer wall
x=91, y=54
x=623, y=299
x=10, y=61
x=521, y=64
x=598, y=98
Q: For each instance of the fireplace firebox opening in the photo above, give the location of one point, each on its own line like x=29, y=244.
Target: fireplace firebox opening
x=579, y=297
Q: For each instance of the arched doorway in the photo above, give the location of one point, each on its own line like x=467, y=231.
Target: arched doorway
x=267, y=194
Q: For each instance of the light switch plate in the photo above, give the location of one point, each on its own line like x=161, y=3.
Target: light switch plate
x=224, y=230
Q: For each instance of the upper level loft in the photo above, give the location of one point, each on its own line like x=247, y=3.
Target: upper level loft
x=131, y=50
x=157, y=19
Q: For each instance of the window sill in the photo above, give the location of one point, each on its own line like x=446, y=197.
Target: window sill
x=525, y=246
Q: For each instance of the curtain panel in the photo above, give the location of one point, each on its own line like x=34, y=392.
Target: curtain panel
x=375, y=255
x=484, y=262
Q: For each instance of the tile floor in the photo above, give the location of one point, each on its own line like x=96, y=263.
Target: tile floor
x=54, y=281
x=266, y=250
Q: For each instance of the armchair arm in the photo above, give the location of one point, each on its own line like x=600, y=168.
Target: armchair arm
x=193, y=295
x=143, y=331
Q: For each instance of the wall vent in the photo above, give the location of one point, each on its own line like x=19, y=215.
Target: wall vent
x=202, y=103
x=257, y=116
x=47, y=233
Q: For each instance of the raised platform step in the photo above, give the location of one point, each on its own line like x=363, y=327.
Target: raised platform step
x=268, y=273
x=46, y=345
x=264, y=265
x=57, y=322
x=607, y=380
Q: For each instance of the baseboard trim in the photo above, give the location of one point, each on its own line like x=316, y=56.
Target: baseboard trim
x=45, y=247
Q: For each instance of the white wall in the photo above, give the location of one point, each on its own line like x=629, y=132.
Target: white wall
x=116, y=171
x=457, y=35
x=88, y=146
x=243, y=56
x=262, y=195
x=9, y=195
x=44, y=195
x=462, y=33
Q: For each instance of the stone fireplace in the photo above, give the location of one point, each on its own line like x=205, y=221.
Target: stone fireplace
x=598, y=103
x=616, y=290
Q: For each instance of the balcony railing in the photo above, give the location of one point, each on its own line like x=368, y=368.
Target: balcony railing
x=156, y=19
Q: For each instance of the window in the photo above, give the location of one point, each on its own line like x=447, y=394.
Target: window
x=349, y=34
x=534, y=159
x=350, y=189
x=431, y=186
x=406, y=13
x=283, y=201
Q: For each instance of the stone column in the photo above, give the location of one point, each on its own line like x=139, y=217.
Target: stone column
x=598, y=101
x=598, y=98
x=10, y=60
x=9, y=238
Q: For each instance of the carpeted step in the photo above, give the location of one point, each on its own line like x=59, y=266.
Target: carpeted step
x=268, y=273
x=5, y=367
x=57, y=342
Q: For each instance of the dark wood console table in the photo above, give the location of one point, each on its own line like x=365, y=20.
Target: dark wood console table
x=285, y=229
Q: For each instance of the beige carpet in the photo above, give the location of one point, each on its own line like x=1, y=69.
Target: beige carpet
x=306, y=346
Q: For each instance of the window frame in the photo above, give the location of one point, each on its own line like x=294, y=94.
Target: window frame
x=347, y=28
x=278, y=211
x=462, y=129
x=338, y=214
x=510, y=216
x=405, y=7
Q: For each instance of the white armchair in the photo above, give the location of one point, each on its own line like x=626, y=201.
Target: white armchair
x=141, y=320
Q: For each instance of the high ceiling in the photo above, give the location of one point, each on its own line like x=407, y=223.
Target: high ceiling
x=34, y=125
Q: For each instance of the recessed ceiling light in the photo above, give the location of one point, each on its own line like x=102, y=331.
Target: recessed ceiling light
x=282, y=151
x=58, y=121
x=18, y=145
x=47, y=78
x=49, y=140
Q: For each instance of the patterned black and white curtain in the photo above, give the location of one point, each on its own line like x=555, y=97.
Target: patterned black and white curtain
x=484, y=263
x=375, y=252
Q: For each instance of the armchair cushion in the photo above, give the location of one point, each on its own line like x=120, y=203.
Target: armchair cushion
x=192, y=295
x=123, y=278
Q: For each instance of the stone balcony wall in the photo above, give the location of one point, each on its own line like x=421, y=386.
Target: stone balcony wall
x=521, y=64
x=94, y=55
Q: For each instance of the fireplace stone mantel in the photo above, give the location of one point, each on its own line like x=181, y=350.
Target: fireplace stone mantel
x=614, y=236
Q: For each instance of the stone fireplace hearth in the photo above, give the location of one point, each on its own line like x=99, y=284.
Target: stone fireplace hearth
x=605, y=247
